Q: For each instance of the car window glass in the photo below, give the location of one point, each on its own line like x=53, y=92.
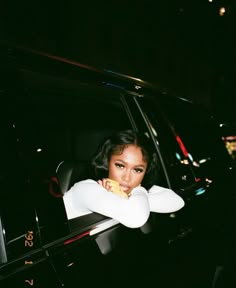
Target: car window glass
x=199, y=132
x=44, y=121
x=56, y=129
x=171, y=145
x=143, y=125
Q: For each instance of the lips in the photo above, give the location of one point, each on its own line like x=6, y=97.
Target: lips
x=125, y=188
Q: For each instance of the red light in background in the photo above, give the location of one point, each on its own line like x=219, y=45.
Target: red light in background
x=181, y=145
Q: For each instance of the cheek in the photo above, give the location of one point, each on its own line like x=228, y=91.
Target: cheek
x=139, y=179
x=136, y=179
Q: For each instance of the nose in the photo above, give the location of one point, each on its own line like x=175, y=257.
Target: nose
x=126, y=176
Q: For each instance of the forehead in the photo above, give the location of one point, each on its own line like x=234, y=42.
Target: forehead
x=131, y=154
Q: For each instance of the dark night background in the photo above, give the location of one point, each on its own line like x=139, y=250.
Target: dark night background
x=184, y=47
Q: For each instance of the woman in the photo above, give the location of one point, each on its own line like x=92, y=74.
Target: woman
x=126, y=167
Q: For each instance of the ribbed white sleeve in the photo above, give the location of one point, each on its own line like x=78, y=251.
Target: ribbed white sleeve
x=163, y=200
x=88, y=196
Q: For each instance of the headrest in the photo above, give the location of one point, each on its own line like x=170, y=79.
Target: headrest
x=86, y=143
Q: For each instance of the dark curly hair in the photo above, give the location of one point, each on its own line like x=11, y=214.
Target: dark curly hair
x=116, y=143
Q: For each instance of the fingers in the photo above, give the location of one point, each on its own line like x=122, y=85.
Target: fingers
x=105, y=183
x=112, y=186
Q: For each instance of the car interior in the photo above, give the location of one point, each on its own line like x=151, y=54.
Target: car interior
x=84, y=146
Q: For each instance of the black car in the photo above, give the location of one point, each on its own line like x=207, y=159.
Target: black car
x=54, y=114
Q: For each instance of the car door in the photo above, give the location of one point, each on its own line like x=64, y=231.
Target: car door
x=64, y=113
x=23, y=262
x=176, y=169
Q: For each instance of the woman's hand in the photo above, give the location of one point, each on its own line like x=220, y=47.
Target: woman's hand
x=112, y=186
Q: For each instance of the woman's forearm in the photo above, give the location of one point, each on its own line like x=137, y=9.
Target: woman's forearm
x=132, y=212
x=163, y=200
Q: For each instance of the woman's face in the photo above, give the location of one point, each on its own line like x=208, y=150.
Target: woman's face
x=128, y=168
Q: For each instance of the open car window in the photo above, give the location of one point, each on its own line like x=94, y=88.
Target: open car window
x=54, y=130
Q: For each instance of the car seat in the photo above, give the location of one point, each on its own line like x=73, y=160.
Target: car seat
x=84, y=145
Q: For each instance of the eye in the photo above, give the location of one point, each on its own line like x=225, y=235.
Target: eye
x=118, y=165
x=138, y=170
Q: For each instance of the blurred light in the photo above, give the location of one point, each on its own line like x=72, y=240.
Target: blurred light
x=204, y=160
x=190, y=157
x=185, y=161
x=177, y=156
x=196, y=164
x=113, y=85
x=208, y=180
x=76, y=237
x=181, y=145
x=231, y=148
x=222, y=11
x=39, y=150
x=154, y=131
x=184, y=177
x=200, y=191
x=228, y=138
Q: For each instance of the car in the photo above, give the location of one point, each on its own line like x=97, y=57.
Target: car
x=55, y=112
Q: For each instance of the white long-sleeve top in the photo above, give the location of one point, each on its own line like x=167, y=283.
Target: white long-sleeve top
x=88, y=196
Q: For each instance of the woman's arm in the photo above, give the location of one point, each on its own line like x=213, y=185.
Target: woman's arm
x=132, y=212
x=163, y=200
